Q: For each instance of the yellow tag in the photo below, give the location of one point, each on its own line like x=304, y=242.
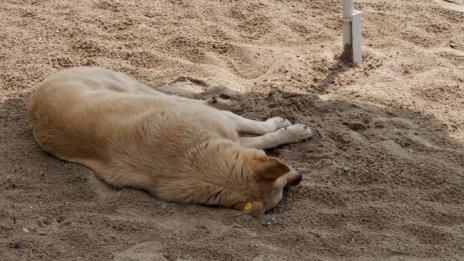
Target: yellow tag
x=247, y=206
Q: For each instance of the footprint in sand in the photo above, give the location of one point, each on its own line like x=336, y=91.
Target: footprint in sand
x=455, y=5
x=459, y=2
x=457, y=43
x=148, y=251
x=45, y=225
x=454, y=46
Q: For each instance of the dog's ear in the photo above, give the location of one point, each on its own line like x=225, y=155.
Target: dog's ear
x=268, y=168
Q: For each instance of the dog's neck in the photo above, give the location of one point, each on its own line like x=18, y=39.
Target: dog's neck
x=222, y=179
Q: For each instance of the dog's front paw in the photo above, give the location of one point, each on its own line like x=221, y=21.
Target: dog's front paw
x=298, y=132
x=278, y=123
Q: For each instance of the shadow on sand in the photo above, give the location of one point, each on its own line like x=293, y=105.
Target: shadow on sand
x=378, y=183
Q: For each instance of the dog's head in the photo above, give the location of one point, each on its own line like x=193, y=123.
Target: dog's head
x=266, y=179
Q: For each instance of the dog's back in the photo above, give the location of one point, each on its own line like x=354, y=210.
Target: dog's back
x=75, y=113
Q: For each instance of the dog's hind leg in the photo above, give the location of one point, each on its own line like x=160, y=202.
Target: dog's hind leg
x=223, y=104
x=218, y=103
x=293, y=134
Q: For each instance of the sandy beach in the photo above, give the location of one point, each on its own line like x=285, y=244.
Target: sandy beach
x=383, y=179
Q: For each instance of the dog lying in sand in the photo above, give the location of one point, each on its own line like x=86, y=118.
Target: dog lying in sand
x=178, y=149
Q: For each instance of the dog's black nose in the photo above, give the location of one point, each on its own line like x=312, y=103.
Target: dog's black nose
x=295, y=179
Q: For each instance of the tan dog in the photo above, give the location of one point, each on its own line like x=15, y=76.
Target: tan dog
x=176, y=148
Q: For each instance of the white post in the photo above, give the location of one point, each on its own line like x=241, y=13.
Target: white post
x=352, y=31
x=348, y=9
x=357, y=33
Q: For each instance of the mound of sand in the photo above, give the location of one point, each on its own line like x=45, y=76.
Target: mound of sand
x=384, y=179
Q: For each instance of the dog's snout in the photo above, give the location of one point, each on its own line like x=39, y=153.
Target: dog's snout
x=294, y=179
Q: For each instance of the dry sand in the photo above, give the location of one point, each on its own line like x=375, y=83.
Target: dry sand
x=384, y=179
